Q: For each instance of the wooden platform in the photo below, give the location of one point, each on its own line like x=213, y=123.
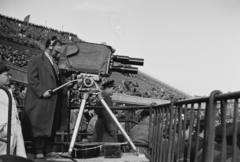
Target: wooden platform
x=126, y=157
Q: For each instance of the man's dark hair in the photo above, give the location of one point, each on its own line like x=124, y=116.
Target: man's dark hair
x=144, y=113
x=201, y=124
x=22, y=88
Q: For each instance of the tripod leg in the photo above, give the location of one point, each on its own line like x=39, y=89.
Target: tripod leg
x=117, y=123
x=75, y=132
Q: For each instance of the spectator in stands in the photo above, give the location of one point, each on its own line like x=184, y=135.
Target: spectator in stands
x=12, y=86
x=217, y=152
x=45, y=111
x=30, y=35
x=23, y=91
x=91, y=126
x=194, y=142
x=22, y=94
x=14, y=89
x=17, y=142
x=105, y=128
x=83, y=125
x=140, y=133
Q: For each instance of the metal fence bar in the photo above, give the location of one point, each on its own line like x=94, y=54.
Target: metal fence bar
x=198, y=131
x=174, y=134
x=223, y=122
x=170, y=138
x=235, y=121
x=8, y=141
x=190, y=132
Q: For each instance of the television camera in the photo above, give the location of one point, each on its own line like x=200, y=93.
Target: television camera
x=96, y=59
x=92, y=61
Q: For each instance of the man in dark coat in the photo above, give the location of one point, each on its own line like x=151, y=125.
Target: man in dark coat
x=43, y=109
x=140, y=133
x=105, y=128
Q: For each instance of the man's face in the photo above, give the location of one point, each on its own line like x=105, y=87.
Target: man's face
x=12, y=87
x=4, y=78
x=55, y=53
x=109, y=91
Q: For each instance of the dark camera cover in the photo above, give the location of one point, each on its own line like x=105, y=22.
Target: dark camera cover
x=86, y=57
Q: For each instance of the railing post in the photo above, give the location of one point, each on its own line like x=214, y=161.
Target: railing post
x=209, y=128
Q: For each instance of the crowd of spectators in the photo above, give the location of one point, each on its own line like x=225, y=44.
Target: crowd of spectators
x=29, y=34
x=14, y=56
x=131, y=87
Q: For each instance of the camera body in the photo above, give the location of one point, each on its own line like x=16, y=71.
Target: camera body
x=96, y=59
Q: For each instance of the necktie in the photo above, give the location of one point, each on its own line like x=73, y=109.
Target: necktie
x=55, y=67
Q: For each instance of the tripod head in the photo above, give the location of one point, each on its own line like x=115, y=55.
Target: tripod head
x=89, y=83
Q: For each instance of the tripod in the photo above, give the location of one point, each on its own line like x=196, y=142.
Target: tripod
x=93, y=88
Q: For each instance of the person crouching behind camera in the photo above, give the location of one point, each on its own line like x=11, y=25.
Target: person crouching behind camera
x=105, y=128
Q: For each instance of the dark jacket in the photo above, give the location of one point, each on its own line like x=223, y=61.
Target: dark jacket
x=139, y=134
x=217, y=154
x=39, y=112
x=193, y=147
x=105, y=129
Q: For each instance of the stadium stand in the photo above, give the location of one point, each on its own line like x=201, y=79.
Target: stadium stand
x=28, y=34
x=19, y=41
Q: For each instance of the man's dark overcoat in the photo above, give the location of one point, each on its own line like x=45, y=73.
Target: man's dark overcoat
x=39, y=112
x=105, y=128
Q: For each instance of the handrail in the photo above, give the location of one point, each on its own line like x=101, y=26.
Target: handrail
x=8, y=141
x=190, y=109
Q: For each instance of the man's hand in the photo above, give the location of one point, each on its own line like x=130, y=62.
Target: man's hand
x=91, y=112
x=46, y=94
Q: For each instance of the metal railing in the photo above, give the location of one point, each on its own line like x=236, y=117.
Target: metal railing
x=173, y=138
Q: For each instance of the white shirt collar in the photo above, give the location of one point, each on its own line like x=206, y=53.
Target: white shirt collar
x=49, y=57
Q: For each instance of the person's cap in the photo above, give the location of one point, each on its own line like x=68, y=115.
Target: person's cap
x=109, y=83
x=3, y=67
x=145, y=112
